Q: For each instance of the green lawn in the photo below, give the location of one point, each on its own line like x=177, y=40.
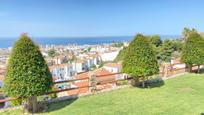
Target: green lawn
x=183, y=95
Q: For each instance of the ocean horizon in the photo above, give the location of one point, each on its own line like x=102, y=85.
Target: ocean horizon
x=8, y=42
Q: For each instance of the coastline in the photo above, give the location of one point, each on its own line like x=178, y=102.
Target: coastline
x=8, y=42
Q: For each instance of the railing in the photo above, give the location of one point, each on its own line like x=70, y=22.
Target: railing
x=68, y=89
x=170, y=72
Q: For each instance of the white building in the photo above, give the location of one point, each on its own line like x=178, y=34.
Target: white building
x=109, y=56
x=93, y=60
x=60, y=59
x=62, y=72
x=44, y=53
x=80, y=66
x=86, y=61
x=113, y=67
x=99, y=49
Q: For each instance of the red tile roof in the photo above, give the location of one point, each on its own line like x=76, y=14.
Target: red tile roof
x=82, y=75
x=113, y=65
x=100, y=74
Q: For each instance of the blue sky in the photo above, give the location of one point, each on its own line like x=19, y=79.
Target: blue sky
x=82, y=18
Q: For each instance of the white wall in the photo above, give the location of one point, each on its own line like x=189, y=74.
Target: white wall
x=77, y=67
x=109, y=56
x=112, y=69
x=62, y=73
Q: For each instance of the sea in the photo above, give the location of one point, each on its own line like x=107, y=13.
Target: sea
x=8, y=42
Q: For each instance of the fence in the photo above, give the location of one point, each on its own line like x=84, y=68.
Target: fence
x=169, y=70
x=73, y=80
x=165, y=71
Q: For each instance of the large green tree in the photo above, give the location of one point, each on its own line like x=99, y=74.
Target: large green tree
x=155, y=40
x=193, y=51
x=27, y=74
x=166, y=50
x=140, y=60
x=187, y=31
x=177, y=45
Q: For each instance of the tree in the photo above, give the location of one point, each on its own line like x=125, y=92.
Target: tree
x=118, y=44
x=186, y=32
x=89, y=49
x=166, y=51
x=101, y=64
x=200, y=57
x=156, y=43
x=52, y=53
x=27, y=75
x=140, y=60
x=177, y=45
x=193, y=52
x=156, y=40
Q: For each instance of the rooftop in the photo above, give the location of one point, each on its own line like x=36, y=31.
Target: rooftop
x=113, y=65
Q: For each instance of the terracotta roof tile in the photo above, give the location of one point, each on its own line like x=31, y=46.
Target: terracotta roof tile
x=97, y=72
x=113, y=65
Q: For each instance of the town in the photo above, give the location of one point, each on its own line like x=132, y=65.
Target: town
x=68, y=62
x=72, y=61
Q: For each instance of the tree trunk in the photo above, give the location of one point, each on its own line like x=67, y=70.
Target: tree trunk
x=133, y=82
x=28, y=106
x=189, y=68
x=166, y=70
x=198, y=69
x=35, y=104
x=143, y=84
x=32, y=104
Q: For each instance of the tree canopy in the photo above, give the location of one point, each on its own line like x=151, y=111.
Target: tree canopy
x=118, y=44
x=140, y=60
x=27, y=73
x=187, y=31
x=193, y=51
x=155, y=40
x=166, y=50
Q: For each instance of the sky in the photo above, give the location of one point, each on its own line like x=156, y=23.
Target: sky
x=83, y=18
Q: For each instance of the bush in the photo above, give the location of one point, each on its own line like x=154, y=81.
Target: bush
x=140, y=60
x=27, y=74
x=18, y=102
x=193, y=52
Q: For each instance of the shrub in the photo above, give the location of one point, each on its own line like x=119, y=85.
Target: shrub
x=27, y=74
x=140, y=60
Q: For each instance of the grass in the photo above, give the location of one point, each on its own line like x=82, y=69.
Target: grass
x=183, y=95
